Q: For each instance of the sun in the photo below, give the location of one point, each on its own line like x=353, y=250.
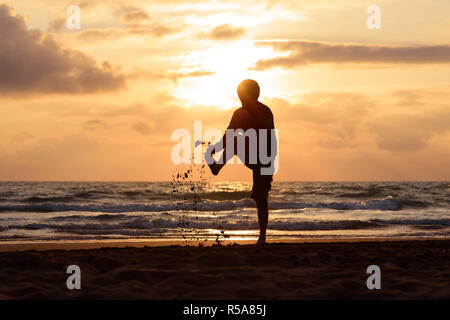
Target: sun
x=227, y=65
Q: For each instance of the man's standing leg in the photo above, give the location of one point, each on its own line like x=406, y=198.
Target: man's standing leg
x=260, y=193
x=263, y=218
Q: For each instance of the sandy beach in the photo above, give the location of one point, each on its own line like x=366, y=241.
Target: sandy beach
x=410, y=269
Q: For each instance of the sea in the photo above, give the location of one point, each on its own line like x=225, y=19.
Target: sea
x=216, y=211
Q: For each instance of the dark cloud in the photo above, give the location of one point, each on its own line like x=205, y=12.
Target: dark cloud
x=301, y=53
x=223, y=32
x=136, y=21
x=31, y=61
x=94, y=124
x=141, y=127
x=57, y=25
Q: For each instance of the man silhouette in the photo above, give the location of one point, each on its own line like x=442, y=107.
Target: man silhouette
x=252, y=115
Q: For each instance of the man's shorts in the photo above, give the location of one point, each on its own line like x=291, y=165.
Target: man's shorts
x=261, y=186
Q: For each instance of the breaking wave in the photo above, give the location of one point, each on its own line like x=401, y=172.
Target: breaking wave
x=387, y=203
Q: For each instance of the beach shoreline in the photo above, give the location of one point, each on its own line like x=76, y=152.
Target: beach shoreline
x=13, y=246
x=312, y=269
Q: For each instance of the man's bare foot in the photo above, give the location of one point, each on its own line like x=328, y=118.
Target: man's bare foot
x=215, y=168
x=261, y=241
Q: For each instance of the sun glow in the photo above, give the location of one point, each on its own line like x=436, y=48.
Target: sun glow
x=229, y=65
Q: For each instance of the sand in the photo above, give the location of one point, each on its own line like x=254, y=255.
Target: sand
x=410, y=269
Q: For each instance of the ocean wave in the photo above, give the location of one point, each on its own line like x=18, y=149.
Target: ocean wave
x=369, y=193
x=159, y=224
x=99, y=217
x=415, y=203
x=387, y=203
x=39, y=199
x=145, y=194
x=91, y=194
x=225, y=195
x=416, y=222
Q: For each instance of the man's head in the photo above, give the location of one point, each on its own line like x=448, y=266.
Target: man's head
x=248, y=91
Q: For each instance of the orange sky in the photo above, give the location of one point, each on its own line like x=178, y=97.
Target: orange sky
x=100, y=103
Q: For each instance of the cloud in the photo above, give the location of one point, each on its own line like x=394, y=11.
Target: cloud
x=57, y=25
x=322, y=108
x=141, y=127
x=135, y=22
x=59, y=150
x=335, y=120
x=223, y=32
x=153, y=29
x=22, y=137
x=134, y=16
x=169, y=75
x=335, y=135
x=94, y=124
x=302, y=53
x=31, y=61
x=191, y=74
x=394, y=139
x=100, y=34
x=398, y=130
x=332, y=120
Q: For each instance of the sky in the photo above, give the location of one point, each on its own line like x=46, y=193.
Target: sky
x=100, y=102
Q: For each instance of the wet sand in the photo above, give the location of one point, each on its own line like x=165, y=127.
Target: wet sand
x=410, y=269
